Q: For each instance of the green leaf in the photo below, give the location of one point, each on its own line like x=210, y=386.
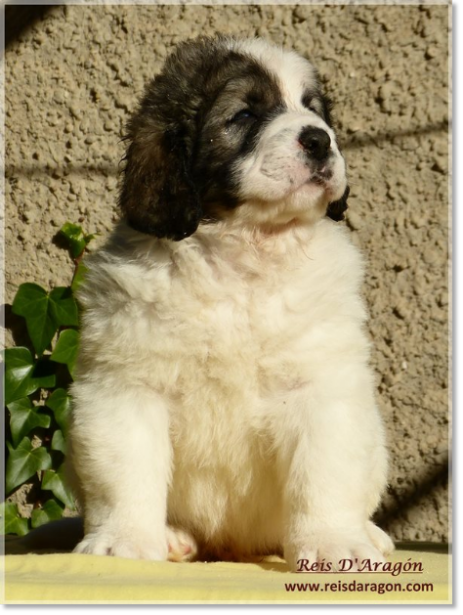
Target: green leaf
x=63, y=307
x=23, y=462
x=13, y=522
x=66, y=349
x=44, y=373
x=50, y=511
x=19, y=366
x=58, y=442
x=45, y=313
x=24, y=375
x=55, y=482
x=60, y=402
x=32, y=303
x=79, y=276
x=76, y=238
x=24, y=417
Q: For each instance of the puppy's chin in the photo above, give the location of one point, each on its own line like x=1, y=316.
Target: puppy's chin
x=305, y=205
x=255, y=212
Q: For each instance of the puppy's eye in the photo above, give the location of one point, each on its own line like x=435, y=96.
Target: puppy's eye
x=245, y=115
x=312, y=104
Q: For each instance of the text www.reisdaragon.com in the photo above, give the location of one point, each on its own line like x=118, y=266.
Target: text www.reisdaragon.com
x=359, y=587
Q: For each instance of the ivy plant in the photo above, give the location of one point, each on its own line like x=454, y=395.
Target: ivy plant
x=37, y=377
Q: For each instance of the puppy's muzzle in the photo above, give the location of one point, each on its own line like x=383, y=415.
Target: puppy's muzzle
x=316, y=143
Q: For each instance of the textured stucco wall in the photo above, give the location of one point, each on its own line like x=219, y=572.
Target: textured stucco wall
x=73, y=78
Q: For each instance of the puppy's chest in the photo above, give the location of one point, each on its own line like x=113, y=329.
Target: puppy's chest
x=237, y=304
x=239, y=326
x=237, y=338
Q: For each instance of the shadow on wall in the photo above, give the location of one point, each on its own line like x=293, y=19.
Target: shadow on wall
x=356, y=141
x=386, y=517
x=19, y=18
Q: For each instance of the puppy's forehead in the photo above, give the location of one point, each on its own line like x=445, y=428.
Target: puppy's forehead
x=293, y=74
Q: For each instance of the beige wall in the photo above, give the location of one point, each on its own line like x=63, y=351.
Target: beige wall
x=73, y=78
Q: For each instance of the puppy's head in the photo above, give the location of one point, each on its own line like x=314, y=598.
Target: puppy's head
x=231, y=129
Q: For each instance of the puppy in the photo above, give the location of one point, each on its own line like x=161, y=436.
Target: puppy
x=224, y=406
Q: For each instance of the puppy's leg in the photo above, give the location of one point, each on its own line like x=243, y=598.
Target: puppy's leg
x=334, y=471
x=121, y=456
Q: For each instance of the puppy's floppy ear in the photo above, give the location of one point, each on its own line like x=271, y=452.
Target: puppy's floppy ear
x=157, y=195
x=336, y=209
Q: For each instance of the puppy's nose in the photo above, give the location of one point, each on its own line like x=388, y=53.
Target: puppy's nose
x=315, y=141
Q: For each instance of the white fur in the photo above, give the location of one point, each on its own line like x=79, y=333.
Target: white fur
x=224, y=388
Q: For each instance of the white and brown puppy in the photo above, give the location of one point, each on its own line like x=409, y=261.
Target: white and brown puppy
x=224, y=403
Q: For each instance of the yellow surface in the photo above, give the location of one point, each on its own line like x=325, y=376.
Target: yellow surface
x=71, y=578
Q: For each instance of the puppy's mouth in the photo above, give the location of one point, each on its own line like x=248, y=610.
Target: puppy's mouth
x=323, y=180
x=321, y=176
x=320, y=180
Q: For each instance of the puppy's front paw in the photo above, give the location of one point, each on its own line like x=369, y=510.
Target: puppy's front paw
x=128, y=546
x=182, y=546
x=335, y=550
x=380, y=539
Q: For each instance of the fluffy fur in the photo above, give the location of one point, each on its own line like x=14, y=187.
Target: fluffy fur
x=224, y=404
